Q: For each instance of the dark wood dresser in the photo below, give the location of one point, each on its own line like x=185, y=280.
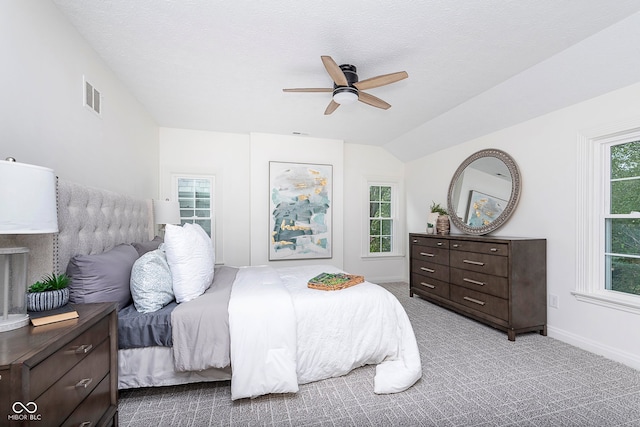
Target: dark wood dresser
x=498, y=281
x=62, y=374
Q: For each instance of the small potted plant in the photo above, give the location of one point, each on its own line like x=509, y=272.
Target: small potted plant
x=49, y=293
x=442, y=218
x=430, y=228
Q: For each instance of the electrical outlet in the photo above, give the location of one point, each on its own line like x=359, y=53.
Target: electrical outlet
x=553, y=301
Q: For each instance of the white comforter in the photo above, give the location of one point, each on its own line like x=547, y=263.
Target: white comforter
x=284, y=334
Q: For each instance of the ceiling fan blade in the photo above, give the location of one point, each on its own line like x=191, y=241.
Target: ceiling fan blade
x=334, y=71
x=331, y=107
x=309, y=89
x=382, y=80
x=373, y=101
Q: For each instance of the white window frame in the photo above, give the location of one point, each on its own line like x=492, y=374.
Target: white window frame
x=212, y=182
x=592, y=195
x=397, y=242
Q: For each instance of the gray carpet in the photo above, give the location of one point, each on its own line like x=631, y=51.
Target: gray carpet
x=472, y=376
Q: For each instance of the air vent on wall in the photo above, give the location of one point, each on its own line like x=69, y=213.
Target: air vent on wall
x=91, y=97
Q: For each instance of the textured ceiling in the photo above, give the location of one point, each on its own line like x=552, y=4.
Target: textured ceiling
x=222, y=65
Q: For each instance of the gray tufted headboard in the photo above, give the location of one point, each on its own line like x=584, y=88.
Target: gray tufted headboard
x=92, y=221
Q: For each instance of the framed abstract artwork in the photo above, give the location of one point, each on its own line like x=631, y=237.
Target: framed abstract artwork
x=300, y=210
x=483, y=209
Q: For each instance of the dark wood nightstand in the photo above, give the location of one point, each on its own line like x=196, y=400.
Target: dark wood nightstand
x=64, y=373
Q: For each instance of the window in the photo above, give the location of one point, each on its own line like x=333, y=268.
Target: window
x=380, y=219
x=608, y=217
x=622, y=218
x=383, y=235
x=195, y=195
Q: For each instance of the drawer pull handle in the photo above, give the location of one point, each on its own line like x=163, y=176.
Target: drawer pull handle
x=426, y=254
x=84, y=349
x=84, y=383
x=439, y=243
x=428, y=285
x=428, y=270
x=475, y=282
x=494, y=249
x=466, y=261
x=456, y=245
x=85, y=424
x=415, y=241
x=475, y=301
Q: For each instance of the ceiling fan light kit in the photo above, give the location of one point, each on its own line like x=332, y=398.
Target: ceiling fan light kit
x=345, y=95
x=346, y=87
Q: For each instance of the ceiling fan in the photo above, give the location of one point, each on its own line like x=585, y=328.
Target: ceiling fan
x=346, y=87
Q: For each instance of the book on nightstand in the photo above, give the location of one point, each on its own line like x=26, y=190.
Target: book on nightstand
x=39, y=318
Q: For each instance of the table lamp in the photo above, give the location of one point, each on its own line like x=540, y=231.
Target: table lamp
x=27, y=206
x=166, y=212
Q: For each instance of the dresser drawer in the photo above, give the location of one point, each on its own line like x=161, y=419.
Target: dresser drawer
x=52, y=368
x=431, y=254
x=59, y=401
x=434, y=242
x=430, y=285
x=488, y=264
x=488, y=304
x=93, y=407
x=501, y=249
x=485, y=283
x=431, y=270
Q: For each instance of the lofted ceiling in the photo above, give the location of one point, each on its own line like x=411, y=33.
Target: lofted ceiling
x=222, y=65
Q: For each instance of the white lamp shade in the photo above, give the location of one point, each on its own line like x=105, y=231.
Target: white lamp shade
x=27, y=199
x=166, y=212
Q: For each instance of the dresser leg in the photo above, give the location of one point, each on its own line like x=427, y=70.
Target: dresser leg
x=511, y=334
x=543, y=331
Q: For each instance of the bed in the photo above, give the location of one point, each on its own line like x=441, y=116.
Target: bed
x=268, y=326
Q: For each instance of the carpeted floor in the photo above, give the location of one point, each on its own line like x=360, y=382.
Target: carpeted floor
x=472, y=376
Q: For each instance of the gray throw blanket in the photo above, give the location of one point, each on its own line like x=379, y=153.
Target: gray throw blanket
x=200, y=327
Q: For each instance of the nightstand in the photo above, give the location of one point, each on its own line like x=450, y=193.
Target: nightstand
x=64, y=373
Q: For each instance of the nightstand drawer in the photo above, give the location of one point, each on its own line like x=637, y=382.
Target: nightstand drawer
x=431, y=270
x=431, y=254
x=488, y=304
x=44, y=374
x=488, y=264
x=93, y=407
x=59, y=401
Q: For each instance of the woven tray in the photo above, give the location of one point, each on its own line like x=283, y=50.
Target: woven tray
x=334, y=282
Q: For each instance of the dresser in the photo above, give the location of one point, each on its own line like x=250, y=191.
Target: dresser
x=501, y=282
x=62, y=374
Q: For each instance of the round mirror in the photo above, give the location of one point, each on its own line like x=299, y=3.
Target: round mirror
x=484, y=192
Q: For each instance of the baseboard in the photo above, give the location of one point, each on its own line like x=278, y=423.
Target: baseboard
x=629, y=359
x=387, y=280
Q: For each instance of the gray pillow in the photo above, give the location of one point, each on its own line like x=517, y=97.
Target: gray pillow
x=151, y=285
x=102, y=277
x=151, y=245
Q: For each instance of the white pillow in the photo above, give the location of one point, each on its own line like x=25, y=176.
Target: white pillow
x=191, y=259
x=151, y=286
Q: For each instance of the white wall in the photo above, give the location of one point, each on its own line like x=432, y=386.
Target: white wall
x=545, y=149
x=42, y=117
x=295, y=149
x=240, y=164
x=225, y=156
x=363, y=162
x=43, y=120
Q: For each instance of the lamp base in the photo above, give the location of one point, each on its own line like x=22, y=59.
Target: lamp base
x=14, y=321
